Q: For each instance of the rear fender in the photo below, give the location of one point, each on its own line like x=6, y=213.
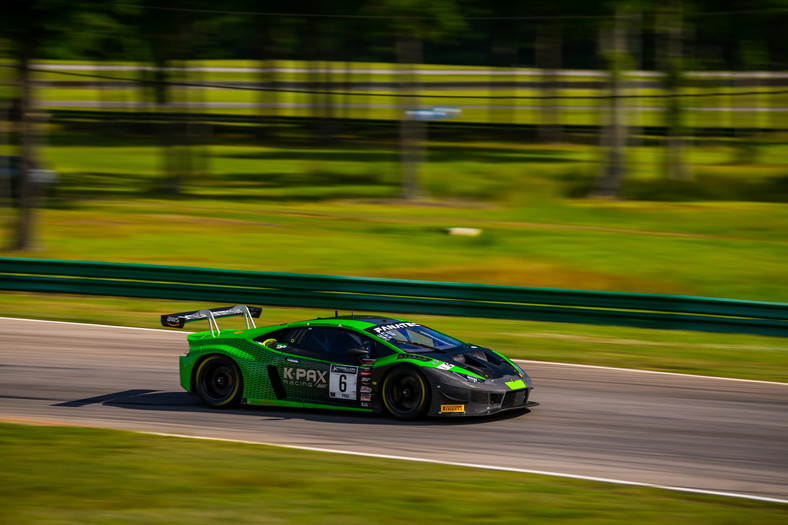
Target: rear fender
x=245, y=358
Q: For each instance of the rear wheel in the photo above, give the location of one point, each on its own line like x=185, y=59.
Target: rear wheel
x=219, y=382
x=405, y=393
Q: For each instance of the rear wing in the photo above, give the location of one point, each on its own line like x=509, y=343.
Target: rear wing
x=179, y=320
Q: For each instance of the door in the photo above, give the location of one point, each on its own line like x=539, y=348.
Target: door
x=319, y=369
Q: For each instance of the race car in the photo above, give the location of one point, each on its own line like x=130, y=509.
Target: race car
x=365, y=363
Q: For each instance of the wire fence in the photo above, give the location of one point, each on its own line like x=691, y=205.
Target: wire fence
x=413, y=95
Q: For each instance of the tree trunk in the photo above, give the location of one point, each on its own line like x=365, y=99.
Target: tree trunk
x=27, y=188
x=268, y=100
x=548, y=58
x=502, y=82
x=608, y=184
x=412, y=130
x=635, y=110
x=675, y=166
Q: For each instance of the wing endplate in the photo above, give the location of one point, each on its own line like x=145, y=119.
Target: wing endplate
x=178, y=320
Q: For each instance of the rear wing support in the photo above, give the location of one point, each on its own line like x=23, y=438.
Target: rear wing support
x=180, y=319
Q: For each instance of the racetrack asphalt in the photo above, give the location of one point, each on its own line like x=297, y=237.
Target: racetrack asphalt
x=707, y=434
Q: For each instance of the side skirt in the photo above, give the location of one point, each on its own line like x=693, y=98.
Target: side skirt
x=296, y=404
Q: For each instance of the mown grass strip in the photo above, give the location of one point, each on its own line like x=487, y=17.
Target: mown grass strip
x=78, y=475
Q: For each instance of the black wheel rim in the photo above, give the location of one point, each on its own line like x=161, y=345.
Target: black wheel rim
x=218, y=381
x=405, y=393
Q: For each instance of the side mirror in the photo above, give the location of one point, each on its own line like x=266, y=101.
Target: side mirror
x=358, y=353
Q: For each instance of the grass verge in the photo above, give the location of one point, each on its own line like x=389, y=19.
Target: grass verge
x=78, y=475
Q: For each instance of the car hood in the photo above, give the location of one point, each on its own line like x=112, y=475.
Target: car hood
x=482, y=361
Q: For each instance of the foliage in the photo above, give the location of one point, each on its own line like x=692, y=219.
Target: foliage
x=749, y=38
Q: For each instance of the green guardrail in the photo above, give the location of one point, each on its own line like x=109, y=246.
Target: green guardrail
x=366, y=294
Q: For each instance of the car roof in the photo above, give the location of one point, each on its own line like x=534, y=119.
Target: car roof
x=361, y=320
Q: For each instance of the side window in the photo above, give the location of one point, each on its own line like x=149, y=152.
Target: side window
x=333, y=343
x=292, y=337
x=378, y=350
x=332, y=340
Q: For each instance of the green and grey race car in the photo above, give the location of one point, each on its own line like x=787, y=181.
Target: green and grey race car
x=360, y=362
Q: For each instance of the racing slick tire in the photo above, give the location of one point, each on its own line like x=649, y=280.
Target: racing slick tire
x=406, y=393
x=218, y=382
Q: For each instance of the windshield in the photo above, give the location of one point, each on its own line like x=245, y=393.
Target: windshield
x=413, y=337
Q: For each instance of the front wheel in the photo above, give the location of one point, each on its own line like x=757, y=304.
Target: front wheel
x=405, y=393
x=219, y=382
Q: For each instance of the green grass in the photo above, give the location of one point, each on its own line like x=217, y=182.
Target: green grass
x=335, y=211
x=529, y=257
x=613, y=249
x=67, y=475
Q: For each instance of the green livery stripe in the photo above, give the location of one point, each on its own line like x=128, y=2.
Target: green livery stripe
x=514, y=385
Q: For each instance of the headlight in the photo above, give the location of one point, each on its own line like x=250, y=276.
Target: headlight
x=518, y=369
x=470, y=379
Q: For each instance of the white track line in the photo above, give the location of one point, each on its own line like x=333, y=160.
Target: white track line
x=88, y=324
x=479, y=466
x=639, y=371
x=549, y=363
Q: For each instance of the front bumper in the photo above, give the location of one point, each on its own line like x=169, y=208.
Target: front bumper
x=454, y=399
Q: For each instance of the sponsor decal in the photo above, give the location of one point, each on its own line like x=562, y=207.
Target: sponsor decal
x=387, y=327
x=343, y=382
x=366, y=398
x=229, y=311
x=343, y=369
x=364, y=405
x=452, y=409
x=445, y=366
x=304, y=377
x=514, y=385
x=366, y=389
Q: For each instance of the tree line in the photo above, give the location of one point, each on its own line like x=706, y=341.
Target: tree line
x=670, y=36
